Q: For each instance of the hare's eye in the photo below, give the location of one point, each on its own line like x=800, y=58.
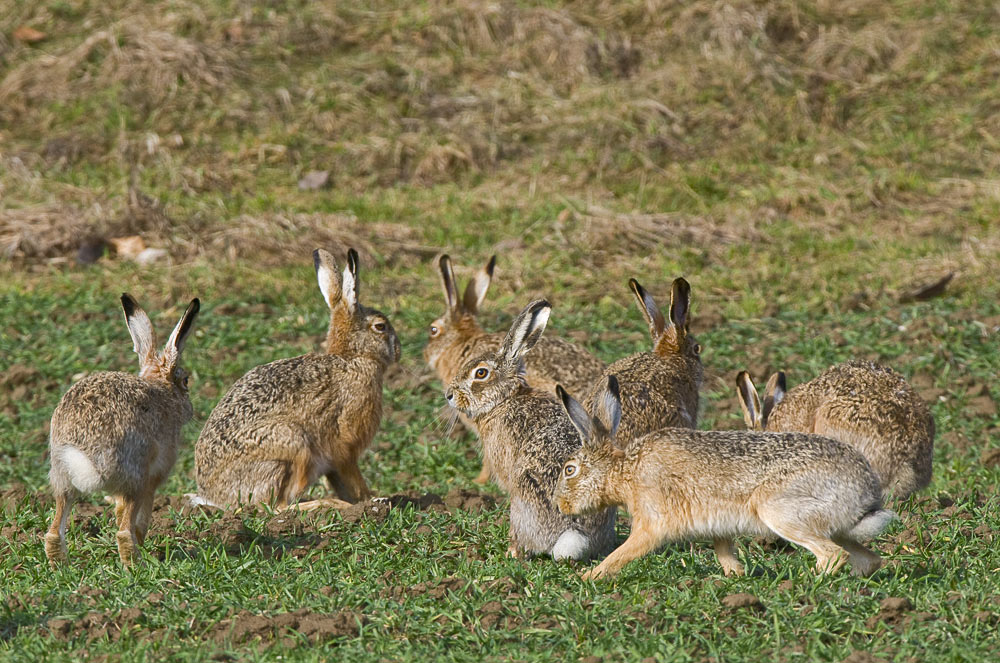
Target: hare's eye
x=434, y=331
x=379, y=326
x=697, y=349
x=481, y=373
x=185, y=381
x=570, y=470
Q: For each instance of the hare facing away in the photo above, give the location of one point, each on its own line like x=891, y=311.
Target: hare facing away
x=526, y=439
x=679, y=484
x=658, y=388
x=117, y=432
x=285, y=424
x=869, y=406
x=456, y=337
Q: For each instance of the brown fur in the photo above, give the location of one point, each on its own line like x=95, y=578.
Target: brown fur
x=119, y=433
x=456, y=338
x=526, y=438
x=870, y=407
x=658, y=388
x=284, y=424
x=679, y=484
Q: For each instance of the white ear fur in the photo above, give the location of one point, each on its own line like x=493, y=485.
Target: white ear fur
x=349, y=287
x=178, y=337
x=475, y=292
x=774, y=393
x=140, y=329
x=611, y=406
x=327, y=276
x=749, y=401
x=525, y=331
x=448, y=283
x=650, y=311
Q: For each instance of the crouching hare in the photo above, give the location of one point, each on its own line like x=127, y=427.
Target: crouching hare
x=117, y=432
x=870, y=407
x=681, y=484
x=526, y=439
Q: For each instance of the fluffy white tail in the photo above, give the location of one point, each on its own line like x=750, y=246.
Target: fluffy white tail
x=571, y=544
x=871, y=525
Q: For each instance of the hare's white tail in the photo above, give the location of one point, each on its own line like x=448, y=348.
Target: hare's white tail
x=571, y=544
x=194, y=499
x=871, y=524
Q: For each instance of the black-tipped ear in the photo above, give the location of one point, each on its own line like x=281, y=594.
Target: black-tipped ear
x=613, y=405
x=774, y=392
x=749, y=401
x=475, y=291
x=525, y=331
x=650, y=311
x=140, y=329
x=350, y=284
x=448, y=282
x=577, y=415
x=680, y=303
x=175, y=344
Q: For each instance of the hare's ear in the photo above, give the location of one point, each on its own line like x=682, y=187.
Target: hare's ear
x=349, y=283
x=680, y=303
x=328, y=276
x=609, y=407
x=524, y=332
x=175, y=344
x=448, y=281
x=140, y=329
x=475, y=292
x=774, y=392
x=577, y=415
x=749, y=401
x=649, y=309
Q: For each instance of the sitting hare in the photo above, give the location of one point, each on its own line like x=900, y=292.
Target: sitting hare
x=285, y=424
x=869, y=406
x=526, y=439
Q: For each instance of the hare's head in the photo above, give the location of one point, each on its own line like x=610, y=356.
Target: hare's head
x=458, y=325
x=670, y=339
x=754, y=414
x=583, y=483
x=486, y=381
x=163, y=367
x=355, y=330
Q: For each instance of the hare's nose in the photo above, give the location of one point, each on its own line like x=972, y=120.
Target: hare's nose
x=450, y=395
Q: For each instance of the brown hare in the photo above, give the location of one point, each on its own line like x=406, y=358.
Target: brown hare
x=686, y=484
x=526, y=439
x=285, y=424
x=117, y=432
x=658, y=388
x=456, y=337
x=869, y=406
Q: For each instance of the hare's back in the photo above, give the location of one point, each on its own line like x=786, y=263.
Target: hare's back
x=555, y=361
x=104, y=408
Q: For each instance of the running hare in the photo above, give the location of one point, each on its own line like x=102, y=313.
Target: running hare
x=679, y=484
x=119, y=433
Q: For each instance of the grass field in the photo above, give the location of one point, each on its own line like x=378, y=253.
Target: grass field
x=807, y=166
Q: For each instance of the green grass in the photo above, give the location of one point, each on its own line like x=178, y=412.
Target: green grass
x=802, y=164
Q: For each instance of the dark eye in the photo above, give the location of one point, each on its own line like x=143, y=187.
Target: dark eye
x=185, y=381
x=435, y=331
x=481, y=373
x=697, y=349
x=570, y=470
x=379, y=326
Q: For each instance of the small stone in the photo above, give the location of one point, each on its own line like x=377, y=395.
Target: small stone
x=315, y=179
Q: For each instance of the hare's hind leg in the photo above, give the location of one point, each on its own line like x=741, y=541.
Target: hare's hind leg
x=726, y=555
x=864, y=562
x=126, y=511
x=350, y=485
x=55, y=538
x=789, y=524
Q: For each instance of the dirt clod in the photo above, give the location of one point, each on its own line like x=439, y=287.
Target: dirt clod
x=743, y=601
